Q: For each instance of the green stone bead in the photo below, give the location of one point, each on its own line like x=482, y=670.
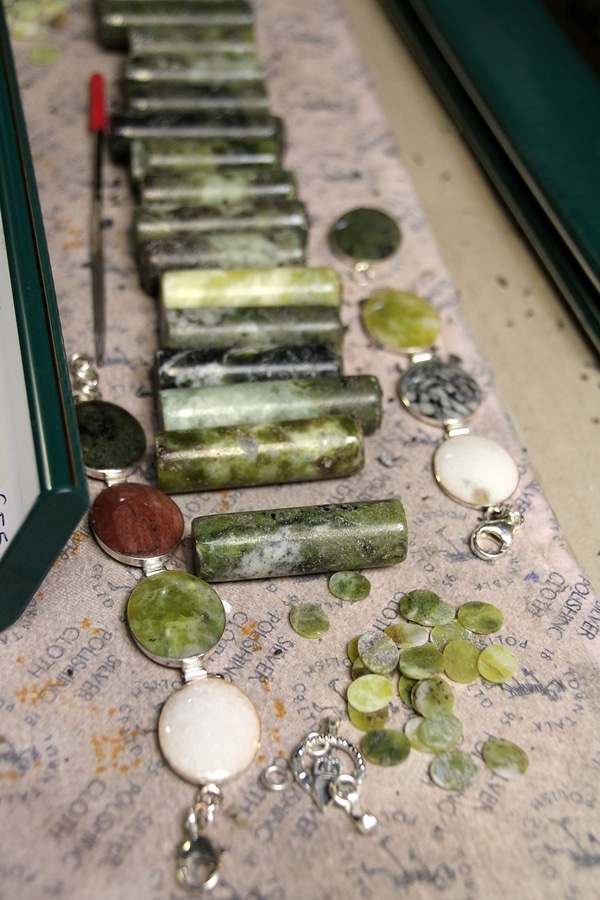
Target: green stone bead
x=244, y=455
x=300, y=540
x=118, y=19
x=405, y=688
x=407, y=634
x=253, y=328
x=282, y=286
x=397, y=320
x=112, y=440
x=412, y=730
x=181, y=156
x=309, y=620
x=253, y=403
x=350, y=586
x=385, y=747
x=196, y=67
x=207, y=39
x=175, y=616
x=205, y=188
x=364, y=235
x=440, y=635
x=167, y=221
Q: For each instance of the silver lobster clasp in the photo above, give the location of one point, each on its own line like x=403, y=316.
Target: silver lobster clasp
x=494, y=535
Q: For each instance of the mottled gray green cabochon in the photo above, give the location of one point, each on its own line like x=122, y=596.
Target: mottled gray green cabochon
x=505, y=758
x=111, y=438
x=309, y=620
x=364, y=234
x=426, y=608
x=385, y=747
x=453, y=770
x=301, y=540
x=350, y=586
x=398, y=320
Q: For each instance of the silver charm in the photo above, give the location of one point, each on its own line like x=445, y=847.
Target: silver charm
x=320, y=772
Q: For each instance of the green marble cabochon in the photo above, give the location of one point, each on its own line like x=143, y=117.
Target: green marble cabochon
x=398, y=320
x=111, y=439
x=365, y=235
x=174, y=616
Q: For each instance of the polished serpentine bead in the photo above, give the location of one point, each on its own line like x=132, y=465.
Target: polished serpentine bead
x=199, y=187
x=252, y=403
x=184, y=155
x=300, y=540
x=270, y=453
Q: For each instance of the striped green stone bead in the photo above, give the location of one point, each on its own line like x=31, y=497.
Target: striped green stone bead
x=246, y=455
x=186, y=39
x=201, y=188
x=196, y=67
x=163, y=97
x=305, y=540
x=282, y=286
x=258, y=328
x=251, y=403
x=218, y=154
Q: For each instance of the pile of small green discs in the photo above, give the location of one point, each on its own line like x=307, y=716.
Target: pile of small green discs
x=432, y=646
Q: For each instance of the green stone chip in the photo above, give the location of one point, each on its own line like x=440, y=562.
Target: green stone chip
x=359, y=668
x=385, y=747
x=426, y=608
x=497, y=664
x=421, y=662
x=453, y=770
x=368, y=721
x=309, y=621
x=505, y=758
x=405, y=687
x=440, y=732
x=351, y=586
x=407, y=634
x=450, y=631
x=370, y=693
x=378, y=652
x=411, y=730
x=432, y=696
x=480, y=617
x=352, y=649
x=460, y=661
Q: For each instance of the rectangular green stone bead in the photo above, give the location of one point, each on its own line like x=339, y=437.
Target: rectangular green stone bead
x=201, y=188
x=211, y=367
x=183, y=155
x=261, y=215
x=224, y=250
x=197, y=67
x=251, y=403
x=116, y=18
x=297, y=286
x=235, y=456
x=252, y=327
x=176, y=39
x=155, y=97
x=222, y=127
x=306, y=540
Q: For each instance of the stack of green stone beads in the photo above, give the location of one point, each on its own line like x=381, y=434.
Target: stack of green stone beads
x=430, y=648
x=250, y=378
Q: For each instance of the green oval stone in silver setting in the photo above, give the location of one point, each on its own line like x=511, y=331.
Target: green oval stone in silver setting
x=174, y=616
x=112, y=440
x=400, y=321
x=364, y=234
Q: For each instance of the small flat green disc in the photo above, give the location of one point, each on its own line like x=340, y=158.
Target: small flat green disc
x=364, y=235
x=432, y=696
x=453, y=770
x=497, y=664
x=411, y=730
x=450, y=631
x=360, y=668
x=350, y=586
x=174, y=616
x=460, y=661
x=505, y=758
x=440, y=732
x=385, y=747
x=407, y=634
x=480, y=617
x=309, y=621
x=378, y=652
x=405, y=688
x=421, y=662
x=398, y=320
x=426, y=608
x=352, y=649
x=368, y=721
x=370, y=693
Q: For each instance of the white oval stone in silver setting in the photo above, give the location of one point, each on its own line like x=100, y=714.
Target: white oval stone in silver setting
x=209, y=731
x=475, y=471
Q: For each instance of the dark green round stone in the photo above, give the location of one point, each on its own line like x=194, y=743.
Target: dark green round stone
x=174, y=616
x=365, y=235
x=111, y=439
x=385, y=747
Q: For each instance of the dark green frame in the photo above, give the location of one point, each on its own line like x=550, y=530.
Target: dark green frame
x=63, y=496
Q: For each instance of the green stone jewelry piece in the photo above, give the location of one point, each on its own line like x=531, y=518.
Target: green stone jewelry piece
x=385, y=747
x=350, y=586
x=363, y=236
x=309, y=621
x=432, y=696
x=399, y=321
x=505, y=758
x=453, y=770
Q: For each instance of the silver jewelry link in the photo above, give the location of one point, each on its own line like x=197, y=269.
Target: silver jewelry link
x=198, y=859
x=494, y=535
x=84, y=377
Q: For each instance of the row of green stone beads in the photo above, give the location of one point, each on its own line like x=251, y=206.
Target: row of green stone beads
x=429, y=648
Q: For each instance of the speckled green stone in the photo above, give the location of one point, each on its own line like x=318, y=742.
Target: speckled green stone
x=252, y=403
x=426, y=608
x=282, y=286
x=407, y=634
x=480, y=617
x=378, y=652
x=201, y=188
x=368, y=721
x=196, y=67
x=175, y=616
x=411, y=730
x=453, y=770
x=405, y=688
x=246, y=97
x=166, y=220
x=421, y=662
x=207, y=39
x=185, y=155
x=432, y=696
x=370, y=694
x=397, y=320
x=364, y=235
x=111, y=438
x=460, y=661
x=252, y=328
x=385, y=747
x=505, y=758
x=497, y=664
x=300, y=540
x=351, y=586
x=309, y=620
x=272, y=453
x=440, y=732
x=115, y=25
x=440, y=635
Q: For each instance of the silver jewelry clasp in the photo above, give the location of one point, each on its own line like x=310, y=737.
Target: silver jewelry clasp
x=494, y=535
x=198, y=860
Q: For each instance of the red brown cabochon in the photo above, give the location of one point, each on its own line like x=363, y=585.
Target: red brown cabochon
x=136, y=520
